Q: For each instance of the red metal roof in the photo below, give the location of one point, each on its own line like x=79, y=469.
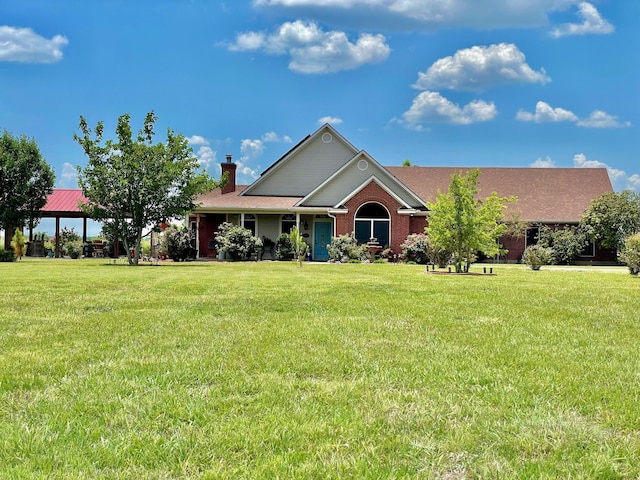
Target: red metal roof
x=64, y=202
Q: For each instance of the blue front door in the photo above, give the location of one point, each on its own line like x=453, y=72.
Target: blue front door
x=321, y=237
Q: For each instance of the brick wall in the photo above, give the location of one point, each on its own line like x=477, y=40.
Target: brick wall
x=401, y=225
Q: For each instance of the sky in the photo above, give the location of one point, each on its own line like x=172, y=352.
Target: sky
x=517, y=83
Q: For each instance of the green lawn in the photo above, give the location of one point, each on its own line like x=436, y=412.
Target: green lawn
x=267, y=370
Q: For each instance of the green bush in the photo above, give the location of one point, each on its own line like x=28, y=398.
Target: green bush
x=178, y=243
x=566, y=243
x=7, y=255
x=536, y=255
x=237, y=242
x=416, y=248
x=345, y=248
x=18, y=244
x=70, y=243
x=630, y=253
x=284, y=248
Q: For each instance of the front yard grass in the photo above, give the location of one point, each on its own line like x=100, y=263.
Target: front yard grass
x=267, y=370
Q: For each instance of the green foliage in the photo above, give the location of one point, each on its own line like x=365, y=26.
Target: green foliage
x=566, y=243
x=70, y=243
x=7, y=255
x=406, y=162
x=415, y=248
x=630, y=253
x=463, y=224
x=284, y=248
x=536, y=256
x=26, y=180
x=178, y=243
x=300, y=247
x=345, y=248
x=18, y=244
x=133, y=183
x=612, y=217
x=236, y=241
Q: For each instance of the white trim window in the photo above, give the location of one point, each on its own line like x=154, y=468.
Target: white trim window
x=372, y=220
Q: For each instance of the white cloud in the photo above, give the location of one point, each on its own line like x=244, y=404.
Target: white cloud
x=543, y=163
x=427, y=14
x=600, y=119
x=312, y=50
x=275, y=138
x=592, y=23
x=480, y=67
x=330, y=120
x=205, y=154
x=545, y=113
x=634, y=181
x=69, y=176
x=431, y=107
x=197, y=140
x=24, y=45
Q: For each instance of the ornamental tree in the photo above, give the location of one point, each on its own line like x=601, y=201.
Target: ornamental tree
x=612, y=217
x=463, y=224
x=132, y=185
x=26, y=180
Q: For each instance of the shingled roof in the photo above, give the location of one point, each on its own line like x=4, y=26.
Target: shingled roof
x=216, y=200
x=546, y=195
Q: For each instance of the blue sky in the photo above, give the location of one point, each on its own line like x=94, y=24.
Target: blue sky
x=439, y=82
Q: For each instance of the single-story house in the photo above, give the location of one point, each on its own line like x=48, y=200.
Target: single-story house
x=327, y=187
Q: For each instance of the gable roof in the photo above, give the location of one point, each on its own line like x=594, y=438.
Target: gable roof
x=546, y=195
x=306, y=165
x=63, y=202
x=353, y=177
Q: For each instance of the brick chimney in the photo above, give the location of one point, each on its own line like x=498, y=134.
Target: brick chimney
x=230, y=167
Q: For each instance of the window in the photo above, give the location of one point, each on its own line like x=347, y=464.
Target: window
x=250, y=223
x=589, y=250
x=533, y=234
x=287, y=223
x=372, y=220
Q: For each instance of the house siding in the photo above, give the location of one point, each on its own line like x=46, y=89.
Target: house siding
x=306, y=170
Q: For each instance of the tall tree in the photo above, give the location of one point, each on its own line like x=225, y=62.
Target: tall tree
x=612, y=217
x=464, y=224
x=26, y=180
x=133, y=184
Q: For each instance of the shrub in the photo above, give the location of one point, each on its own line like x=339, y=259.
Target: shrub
x=18, y=244
x=566, y=243
x=630, y=253
x=284, y=247
x=345, y=248
x=416, y=248
x=237, y=242
x=178, y=243
x=70, y=243
x=536, y=255
x=7, y=255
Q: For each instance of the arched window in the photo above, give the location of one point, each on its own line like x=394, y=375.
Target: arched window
x=250, y=222
x=287, y=223
x=372, y=221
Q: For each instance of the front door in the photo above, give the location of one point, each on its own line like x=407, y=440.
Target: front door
x=321, y=237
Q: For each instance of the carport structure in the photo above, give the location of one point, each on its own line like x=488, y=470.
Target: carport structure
x=64, y=203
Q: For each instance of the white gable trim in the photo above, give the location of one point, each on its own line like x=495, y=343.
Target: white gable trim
x=364, y=184
x=280, y=163
x=384, y=171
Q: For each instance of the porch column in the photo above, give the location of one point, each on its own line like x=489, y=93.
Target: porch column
x=198, y=236
x=57, y=252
